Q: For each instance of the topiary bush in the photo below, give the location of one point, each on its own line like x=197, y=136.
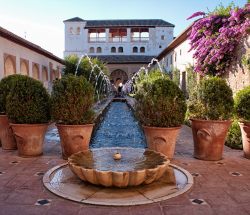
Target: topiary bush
x=152, y=75
x=234, y=139
x=71, y=101
x=214, y=100
x=28, y=102
x=242, y=104
x=160, y=103
x=5, y=86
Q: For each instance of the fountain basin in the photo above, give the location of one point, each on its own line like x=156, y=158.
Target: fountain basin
x=136, y=166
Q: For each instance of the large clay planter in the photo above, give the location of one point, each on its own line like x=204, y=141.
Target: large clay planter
x=6, y=135
x=209, y=138
x=29, y=138
x=74, y=138
x=245, y=132
x=162, y=139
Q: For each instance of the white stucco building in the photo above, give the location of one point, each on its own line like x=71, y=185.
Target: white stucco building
x=19, y=56
x=178, y=56
x=125, y=45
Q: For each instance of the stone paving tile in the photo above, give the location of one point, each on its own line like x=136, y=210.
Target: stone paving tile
x=22, y=210
x=100, y=210
x=229, y=209
x=179, y=200
x=223, y=193
x=146, y=209
x=63, y=207
x=188, y=209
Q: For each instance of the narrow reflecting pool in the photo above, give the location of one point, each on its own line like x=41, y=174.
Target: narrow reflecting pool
x=118, y=129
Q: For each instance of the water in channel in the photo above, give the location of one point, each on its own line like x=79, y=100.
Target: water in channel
x=118, y=129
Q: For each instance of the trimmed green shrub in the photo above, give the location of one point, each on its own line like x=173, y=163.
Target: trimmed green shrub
x=234, y=139
x=28, y=102
x=71, y=101
x=160, y=103
x=242, y=104
x=5, y=86
x=214, y=100
x=153, y=75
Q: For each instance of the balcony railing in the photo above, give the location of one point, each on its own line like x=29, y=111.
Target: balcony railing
x=118, y=39
x=97, y=39
x=139, y=39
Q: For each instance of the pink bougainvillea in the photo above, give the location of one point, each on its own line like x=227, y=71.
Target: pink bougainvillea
x=215, y=37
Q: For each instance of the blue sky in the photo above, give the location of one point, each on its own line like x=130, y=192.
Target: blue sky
x=41, y=21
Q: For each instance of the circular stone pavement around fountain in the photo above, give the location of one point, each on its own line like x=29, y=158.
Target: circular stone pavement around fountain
x=61, y=181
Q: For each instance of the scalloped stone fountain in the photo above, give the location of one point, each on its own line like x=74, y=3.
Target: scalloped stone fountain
x=118, y=167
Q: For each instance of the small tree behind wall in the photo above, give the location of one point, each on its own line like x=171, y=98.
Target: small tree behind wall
x=175, y=75
x=191, y=82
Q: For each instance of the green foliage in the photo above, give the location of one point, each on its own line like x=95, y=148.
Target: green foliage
x=5, y=86
x=176, y=76
x=160, y=103
x=152, y=75
x=191, y=82
x=84, y=68
x=28, y=102
x=222, y=10
x=72, y=100
x=245, y=61
x=234, y=139
x=214, y=100
x=242, y=104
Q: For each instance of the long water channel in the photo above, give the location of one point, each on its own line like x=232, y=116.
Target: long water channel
x=119, y=128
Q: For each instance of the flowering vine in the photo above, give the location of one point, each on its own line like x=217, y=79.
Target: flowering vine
x=215, y=37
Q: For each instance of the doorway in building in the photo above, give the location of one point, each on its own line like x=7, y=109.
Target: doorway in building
x=118, y=76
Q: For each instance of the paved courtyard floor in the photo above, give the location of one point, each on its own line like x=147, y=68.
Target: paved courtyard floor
x=221, y=187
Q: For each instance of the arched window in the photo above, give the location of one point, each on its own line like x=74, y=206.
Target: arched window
x=44, y=74
x=113, y=50
x=142, y=49
x=99, y=50
x=9, y=66
x=91, y=50
x=24, y=67
x=71, y=31
x=78, y=30
x=120, y=49
x=35, y=72
x=135, y=49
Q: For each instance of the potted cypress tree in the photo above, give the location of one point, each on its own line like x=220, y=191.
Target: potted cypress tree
x=160, y=107
x=242, y=109
x=210, y=114
x=71, y=108
x=6, y=134
x=28, y=109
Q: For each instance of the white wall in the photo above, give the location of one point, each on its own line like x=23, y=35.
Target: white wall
x=78, y=44
x=10, y=48
x=181, y=57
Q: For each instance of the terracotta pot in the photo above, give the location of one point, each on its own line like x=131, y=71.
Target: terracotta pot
x=245, y=132
x=209, y=138
x=29, y=138
x=6, y=135
x=162, y=139
x=74, y=138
